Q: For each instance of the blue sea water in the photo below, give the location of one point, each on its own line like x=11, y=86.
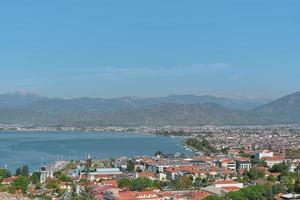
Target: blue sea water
x=18, y=148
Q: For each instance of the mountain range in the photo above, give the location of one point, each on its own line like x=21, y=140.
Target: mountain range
x=31, y=109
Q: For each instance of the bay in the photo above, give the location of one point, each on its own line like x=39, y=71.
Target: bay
x=36, y=148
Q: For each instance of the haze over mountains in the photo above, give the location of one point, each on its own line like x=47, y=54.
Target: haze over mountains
x=31, y=109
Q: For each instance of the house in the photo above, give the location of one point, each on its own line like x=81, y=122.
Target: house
x=107, y=191
x=149, y=175
x=227, y=163
x=45, y=174
x=65, y=186
x=102, y=171
x=243, y=164
x=162, y=176
x=290, y=196
x=273, y=160
x=9, y=180
x=262, y=154
x=110, y=182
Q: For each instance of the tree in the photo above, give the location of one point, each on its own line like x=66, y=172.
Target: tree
x=297, y=185
x=298, y=168
x=52, y=184
x=21, y=183
x=35, y=177
x=18, y=171
x=271, y=178
x=64, y=178
x=244, y=179
x=4, y=173
x=25, y=171
x=130, y=165
x=141, y=184
x=185, y=182
x=288, y=181
x=73, y=190
x=259, y=163
x=125, y=183
x=238, y=195
x=280, y=168
x=201, y=144
x=212, y=198
x=204, y=182
x=198, y=182
x=257, y=192
x=278, y=188
x=57, y=174
x=254, y=173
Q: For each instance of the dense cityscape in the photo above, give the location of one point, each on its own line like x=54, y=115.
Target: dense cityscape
x=245, y=162
x=150, y=100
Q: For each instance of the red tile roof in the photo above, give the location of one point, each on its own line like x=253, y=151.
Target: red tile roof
x=146, y=174
x=231, y=188
x=110, y=182
x=225, y=182
x=274, y=158
x=9, y=180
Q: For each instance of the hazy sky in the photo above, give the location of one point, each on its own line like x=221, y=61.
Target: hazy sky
x=108, y=48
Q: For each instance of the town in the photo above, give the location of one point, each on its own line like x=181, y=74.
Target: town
x=259, y=162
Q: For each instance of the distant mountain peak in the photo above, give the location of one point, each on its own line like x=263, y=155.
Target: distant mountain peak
x=126, y=111
x=287, y=108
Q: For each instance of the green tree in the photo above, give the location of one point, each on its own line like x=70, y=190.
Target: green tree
x=288, y=181
x=280, y=168
x=64, y=178
x=257, y=192
x=141, y=184
x=57, y=174
x=4, y=173
x=245, y=179
x=125, y=183
x=259, y=163
x=35, y=177
x=238, y=195
x=278, y=188
x=213, y=198
x=21, y=183
x=297, y=169
x=271, y=178
x=255, y=173
x=297, y=186
x=52, y=184
x=198, y=182
x=130, y=165
x=18, y=171
x=25, y=171
x=185, y=182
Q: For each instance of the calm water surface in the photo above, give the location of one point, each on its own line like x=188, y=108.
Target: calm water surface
x=18, y=148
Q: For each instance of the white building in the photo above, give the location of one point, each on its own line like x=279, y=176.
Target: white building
x=264, y=153
x=273, y=160
x=45, y=174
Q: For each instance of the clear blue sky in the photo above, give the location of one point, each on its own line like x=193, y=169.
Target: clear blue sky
x=108, y=48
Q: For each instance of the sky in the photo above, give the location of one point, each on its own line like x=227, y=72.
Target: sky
x=110, y=48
